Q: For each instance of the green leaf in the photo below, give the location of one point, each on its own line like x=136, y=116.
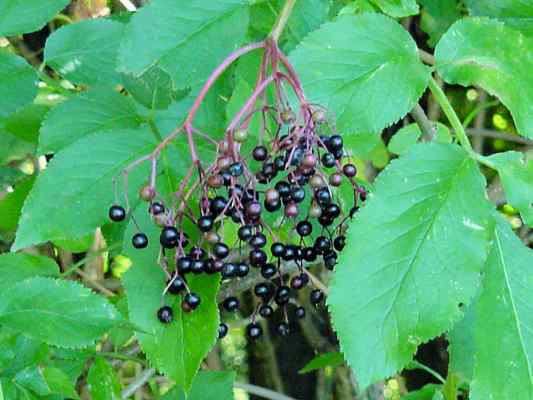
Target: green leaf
x=175, y=349
x=102, y=380
x=180, y=39
x=25, y=123
x=206, y=385
x=397, y=8
x=18, y=352
x=332, y=359
x=504, y=322
x=413, y=254
x=426, y=393
x=80, y=179
x=364, y=68
x=406, y=137
x=59, y=382
x=487, y=53
x=86, y=52
x=462, y=347
x=18, y=81
x=306, y=16
x=68, y=314
x=11, y=204
x=515, y=13
x=437, y=16
x=23, y=16
x=516, y=175
x=16, y=267
x=89, y=112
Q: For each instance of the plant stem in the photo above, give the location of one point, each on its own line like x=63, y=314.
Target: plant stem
x=282, y=20
x=261, y=391
x=430, y=371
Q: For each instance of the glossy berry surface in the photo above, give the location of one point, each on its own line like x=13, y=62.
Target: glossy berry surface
x=316, y=296
x=192, y=300
x=139, y=240
x=165, y=314
x=254, y=331
x=177, y=285
x=222, y=330
x=117, y=213
x=282, y=329
x=231, y=304
x=169, y=237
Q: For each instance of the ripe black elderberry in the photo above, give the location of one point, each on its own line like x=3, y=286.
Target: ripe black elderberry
x=231, y=304
x=139, y=240
x=229, y=270
x=349, y=170
x=217, y=205
x=222, y=330
x=117, y=213
x=304, y=228
x=268, y=271
x=157, y=208
x=260, y=153
x=309, y=254
x=263, y=290
x=265, y=311
x=258, y=240
x=277, y=249
x=190, y=302
x=339, y=243
x=282, y=329
x=165, y=314
x=258, y=258
x=334, y=143
x=242, y=269
x=236, y=169
x=323, y=196
x=283, y=294
x=316, y=296
x=177, y=285
x=205, y=223
x=254, y=331
x=220, y=250
x=169, y=237
x=328, y=160
x=245, y=233
x=299, y=312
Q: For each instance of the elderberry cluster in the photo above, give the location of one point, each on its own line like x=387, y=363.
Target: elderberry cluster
x=282, y=199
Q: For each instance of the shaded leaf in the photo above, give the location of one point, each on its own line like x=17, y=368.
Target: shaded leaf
x=102, y=380
x=364, y=68
x=18, y=81
x=68, y=314
x=437, y=16
x=479, y=51
x=11, y=204
x=413, y=254
x=23, y=16
x=16, y=267
x=397, y=8
x=462, y=347
x=332, y=359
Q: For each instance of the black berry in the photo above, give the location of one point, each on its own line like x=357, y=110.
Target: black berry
x=117, y=213
x=139, y=240
x=164, y=314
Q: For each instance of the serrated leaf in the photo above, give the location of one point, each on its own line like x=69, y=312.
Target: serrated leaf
x=516, y=175
x=18, y=352
x=86, y=52
x=305, y=17
x=11, y=204
x=96, y=110
x=175, y=349
x=103, y=382
x=504, y=322
x=16, y=267
x=332, y=359
x=180, y=39
x=406, y=137
x=206, y=385
x=462, y=347
x=25, y=123
x=413, y=254
x=364, y=68
x=23, y=16
x=61, y=313
x=397, y=8
x=437, y=16
x=18, y=81
x=487, y=53
x=80, y=179
x=515, y=13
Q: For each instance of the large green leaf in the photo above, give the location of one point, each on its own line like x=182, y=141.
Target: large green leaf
x=18, y=81
x=16, y=267
x=413, y=255
x=306, y=16
x=103, y=382
x=364, y=68
x=86, y=52
x=180, y=38
x=206, y=385
x=79, y=179
x=407, y=136
x=62, y=313
x=176, y=349
x=11, y=204
x=462, y=347
x=515, y=13
x=25, y=123
x=516, y=174
x=92, y=111
x=504, y=323
x=23, y=16
x=397, y=8
x=437, y=16
x=479, y=51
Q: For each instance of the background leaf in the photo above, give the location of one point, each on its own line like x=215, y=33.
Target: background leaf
x=103, y=382
x=18, y=82
x=176, y=349
x=86, y=52
x=487, y=53
x=23, y=16
x=407, y=136
x=57, y=312
x=11, y=204
x=80, y=179
x=437, y=16
x=16, y=267
x=206, y=385
x=422, y=233
x=364, y=68
x=397, y=8
x=332, y=359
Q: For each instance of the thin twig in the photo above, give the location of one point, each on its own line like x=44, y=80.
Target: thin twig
x=508, y=137
x=94, y=284
x=261, y=391
x=426, y=126
x=128, y=5
x=137, y=383
x=428, y=58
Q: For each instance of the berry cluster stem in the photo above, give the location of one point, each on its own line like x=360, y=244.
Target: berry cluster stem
x=282, y=20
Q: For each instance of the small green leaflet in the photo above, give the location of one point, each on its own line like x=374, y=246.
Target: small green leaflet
x=426, y=393
x=516, y=175
x=102, y=380
x=407, y=136
x=484, y=52
x=504, y=322
x=207, y=385
x=80, y=179
x=180, y=39
x=332, y=359
x=414, y=253
x=23, y=16
x=178, y=348
x=66, y=313
x=86, y=52
x=397, y=8
x=18, y=81
x=437, y=16
x=96, y=110
x=364, y=68
x=16, y=267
